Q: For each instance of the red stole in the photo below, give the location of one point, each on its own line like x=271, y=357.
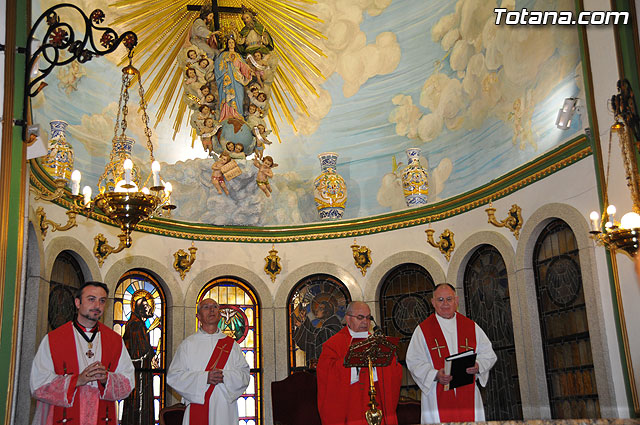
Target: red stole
x=62, y=345
x=453, y=405
x=199, y=413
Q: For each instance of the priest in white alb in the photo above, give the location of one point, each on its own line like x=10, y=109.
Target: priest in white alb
x=209, y=371
x=444, y=333
x=82, y=367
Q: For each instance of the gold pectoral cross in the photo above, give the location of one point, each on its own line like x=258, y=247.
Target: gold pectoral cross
x=438, y=347
x=466, y=346
x=89, y=353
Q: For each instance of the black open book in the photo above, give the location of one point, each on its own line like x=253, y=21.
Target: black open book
x=456, y=365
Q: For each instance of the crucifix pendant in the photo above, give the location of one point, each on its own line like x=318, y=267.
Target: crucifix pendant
x=89, y=353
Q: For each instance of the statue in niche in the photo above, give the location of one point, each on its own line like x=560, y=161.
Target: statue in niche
x=138, y=407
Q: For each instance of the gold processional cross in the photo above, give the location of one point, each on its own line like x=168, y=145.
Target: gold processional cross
x=216, y=10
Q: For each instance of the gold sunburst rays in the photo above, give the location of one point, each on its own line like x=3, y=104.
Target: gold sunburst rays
x=163, y=28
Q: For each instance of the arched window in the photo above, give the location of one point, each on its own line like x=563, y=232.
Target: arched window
x=240, y=319
x=66, y=278
x=486, y=294
x=571, y=380
x=139, y=310
x=405, y=301
x=316, y=307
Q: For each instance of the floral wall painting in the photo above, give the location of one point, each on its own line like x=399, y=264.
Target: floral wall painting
x=368, y=80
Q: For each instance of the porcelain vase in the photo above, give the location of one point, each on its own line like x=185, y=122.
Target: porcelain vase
x=415, y=180
x=59, y=160
x=330, y=191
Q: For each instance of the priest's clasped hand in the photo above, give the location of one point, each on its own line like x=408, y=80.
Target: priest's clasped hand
x=94, y=372
x=473, y=370
x=215, y=376
x=443, y=378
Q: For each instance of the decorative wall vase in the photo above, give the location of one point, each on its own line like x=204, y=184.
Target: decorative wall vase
x=115, y=169
x=330, y=191
x=59, y=160
x=415, y=180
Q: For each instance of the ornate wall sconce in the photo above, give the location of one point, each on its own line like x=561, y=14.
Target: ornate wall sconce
x=361, y=257
x=60, y=185
x=272, y=265
x=182, y=261
x=102, y=249
x=44, y=223
x=513, y=221
x=446, y=244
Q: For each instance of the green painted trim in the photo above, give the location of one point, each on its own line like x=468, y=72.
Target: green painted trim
x=547, y=164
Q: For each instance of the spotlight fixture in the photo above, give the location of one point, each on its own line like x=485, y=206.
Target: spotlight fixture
x=569, y=108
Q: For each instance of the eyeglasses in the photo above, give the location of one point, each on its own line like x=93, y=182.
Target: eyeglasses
x=442, y=299
x=361, y=316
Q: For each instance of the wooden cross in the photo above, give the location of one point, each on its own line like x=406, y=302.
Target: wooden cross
x=438, y=347
x=466, y=346
x=216, y=10
x=89, y=353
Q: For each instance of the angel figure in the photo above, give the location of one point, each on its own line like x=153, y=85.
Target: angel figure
x=260, y=133
x=264, y=174
x=216, y=173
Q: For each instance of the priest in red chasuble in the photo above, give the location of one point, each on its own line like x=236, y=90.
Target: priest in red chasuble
x=444, y=333
x=81, y=367
x=343, y=393
x=209, y=371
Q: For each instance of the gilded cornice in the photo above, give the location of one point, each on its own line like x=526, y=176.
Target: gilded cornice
x=541, y=167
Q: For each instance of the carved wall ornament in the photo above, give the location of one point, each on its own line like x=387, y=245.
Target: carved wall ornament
x=446, y=244
x=102, y=249
x=272, y=264
x=361, y=257
x=44, y=223
x=183, y=261
x=513, y=221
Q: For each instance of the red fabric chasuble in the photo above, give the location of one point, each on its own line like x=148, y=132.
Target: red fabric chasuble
x=453, y=405
x=199, y=413
x=340, y=402
x=62, y=345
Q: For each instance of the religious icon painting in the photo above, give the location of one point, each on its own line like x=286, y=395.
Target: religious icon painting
x=138, y=316
x=317, y=306
x=240, y=319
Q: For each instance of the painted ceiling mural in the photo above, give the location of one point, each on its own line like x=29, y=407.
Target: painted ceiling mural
x=366, y=79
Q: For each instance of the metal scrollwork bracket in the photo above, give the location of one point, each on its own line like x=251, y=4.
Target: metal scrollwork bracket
x=446, y=244
x=513, y=221
x=44, y=223
x=58, y=193
x=60, y=36
x=182, y=261
x=102, y=249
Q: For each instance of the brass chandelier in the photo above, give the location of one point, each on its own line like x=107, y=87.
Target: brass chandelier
x=606, y=230
x=124, y=197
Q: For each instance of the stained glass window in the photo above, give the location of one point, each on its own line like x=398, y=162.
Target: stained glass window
x=571, y=380
x=139, y=317
x=317, y=305
x=405, y=301
x=486, y=294
x=240, y=319
x=66, y=278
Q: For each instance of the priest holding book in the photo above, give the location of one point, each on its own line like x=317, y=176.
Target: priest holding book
x=441, y=335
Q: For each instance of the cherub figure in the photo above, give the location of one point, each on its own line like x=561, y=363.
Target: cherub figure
x=260, y=133
x=191, y=58
x=204, y=69
x=208, y=131
x=260, y=100
x=264, y=174
x=259, y=64
x=217, y=178
x=197, y=120
x=238, y=152
x=229, y=147
x=253, y=116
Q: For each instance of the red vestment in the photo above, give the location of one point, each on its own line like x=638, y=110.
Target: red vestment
x=65, y=362
x=339, y=401
x=453, y=405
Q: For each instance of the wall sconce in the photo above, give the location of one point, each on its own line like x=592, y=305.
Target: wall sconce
x=446, y=244
x=272, y=265
x=513, y=221
x=182, y=261
x=361, y=257
x=569, y=108
x=102, y=249
x=44, y=223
